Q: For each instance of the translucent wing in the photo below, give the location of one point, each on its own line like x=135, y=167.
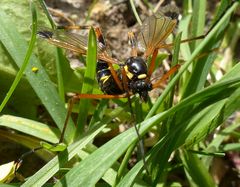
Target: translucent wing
x=73, y=42
x=154, y=31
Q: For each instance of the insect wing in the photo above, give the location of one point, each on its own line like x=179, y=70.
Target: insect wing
x=67, y=40
x=60, y=38
x=154, y=32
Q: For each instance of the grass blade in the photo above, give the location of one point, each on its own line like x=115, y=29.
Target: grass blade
x=89, y=79
x=39, y=81
x=199, y=48
x=26, y=58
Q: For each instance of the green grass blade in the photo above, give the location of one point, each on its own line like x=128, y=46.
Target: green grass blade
x=30, y=127
x=51, y=168
x=59, y=64
x=16, y=47
x=61, y=61
x=199, y=48
x=135, y=12
x=195, y=168
x=89, y=79
x=26, y=58
x=231, y=147
x=44, y=7
x=198, y=20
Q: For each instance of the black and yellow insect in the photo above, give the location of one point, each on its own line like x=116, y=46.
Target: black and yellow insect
x=133, y=75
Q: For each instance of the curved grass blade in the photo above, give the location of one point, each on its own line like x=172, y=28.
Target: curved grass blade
x=26, y=58
x=199, y=130
x=52, y=167
x=39, y=81
x=199, y=48
x=195, y=168
x=94, y=166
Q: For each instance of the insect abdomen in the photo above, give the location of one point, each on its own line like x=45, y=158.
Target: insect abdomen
x=106, y=80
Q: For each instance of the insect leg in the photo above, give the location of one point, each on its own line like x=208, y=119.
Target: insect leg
x=85, y=96
x=61, y=15
x=140, y=140
x=166, y=76
x=169, y=46
x=20, y=160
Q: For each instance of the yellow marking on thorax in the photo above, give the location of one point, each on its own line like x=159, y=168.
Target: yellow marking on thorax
x=142, y=76
x=129, y=74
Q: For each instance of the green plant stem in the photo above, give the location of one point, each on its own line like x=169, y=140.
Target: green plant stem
x=50, y=19
x=135, y=12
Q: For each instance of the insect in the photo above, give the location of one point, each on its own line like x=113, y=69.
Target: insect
x=133, y=76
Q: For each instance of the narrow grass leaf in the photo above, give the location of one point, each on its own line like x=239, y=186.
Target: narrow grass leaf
x=199, y=48
x=16, y=46
x=30, y=127
x=89, y=79
x=198, y=20
x=26, y=58
x=52, y=167
x=195, y=168
x=231, y=147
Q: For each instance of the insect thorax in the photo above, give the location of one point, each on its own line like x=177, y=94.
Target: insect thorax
x=137, y=73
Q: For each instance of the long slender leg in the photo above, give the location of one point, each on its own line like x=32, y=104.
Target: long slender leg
x=20, y=160
x=169, y=46
x=70, y=106
x=166, y=76
x=84, y=96
x=61, y=15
